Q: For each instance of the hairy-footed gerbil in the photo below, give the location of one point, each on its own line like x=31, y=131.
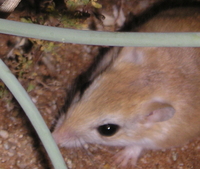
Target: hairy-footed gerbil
x=145, y=97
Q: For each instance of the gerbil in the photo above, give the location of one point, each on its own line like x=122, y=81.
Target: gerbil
x=146, y=98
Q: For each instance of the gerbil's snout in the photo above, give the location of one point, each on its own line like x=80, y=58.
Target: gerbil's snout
x=67, y=138
x=67, y=133
x=56, y=138
x=63, y=133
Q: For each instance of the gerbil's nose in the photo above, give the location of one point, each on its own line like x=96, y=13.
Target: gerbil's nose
x=56, y=137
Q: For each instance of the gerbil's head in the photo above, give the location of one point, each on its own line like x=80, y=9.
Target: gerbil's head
x=120, y=107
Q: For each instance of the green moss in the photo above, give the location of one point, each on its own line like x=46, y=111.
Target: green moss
x=30, y=87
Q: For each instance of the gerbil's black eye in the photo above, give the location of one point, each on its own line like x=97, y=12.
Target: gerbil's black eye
x=108, y=129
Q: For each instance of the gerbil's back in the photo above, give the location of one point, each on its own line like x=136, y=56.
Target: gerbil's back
x=174, y=20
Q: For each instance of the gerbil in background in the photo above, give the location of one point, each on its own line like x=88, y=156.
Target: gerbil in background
x=142, y=98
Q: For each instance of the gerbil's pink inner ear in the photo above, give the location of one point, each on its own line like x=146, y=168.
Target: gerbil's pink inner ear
x=159, y=112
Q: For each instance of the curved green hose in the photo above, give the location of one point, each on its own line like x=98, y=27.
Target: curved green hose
x=33, y=114
x=99, y=38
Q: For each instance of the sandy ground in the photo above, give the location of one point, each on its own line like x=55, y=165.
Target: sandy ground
x=46, y=70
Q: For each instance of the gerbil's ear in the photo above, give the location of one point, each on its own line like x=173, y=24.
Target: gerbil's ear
x=132, y=54
x=158, y=112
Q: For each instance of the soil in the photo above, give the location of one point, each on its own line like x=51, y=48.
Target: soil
x=46, y=70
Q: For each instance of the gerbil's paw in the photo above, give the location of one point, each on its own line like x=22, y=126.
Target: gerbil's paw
x=128, y=155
